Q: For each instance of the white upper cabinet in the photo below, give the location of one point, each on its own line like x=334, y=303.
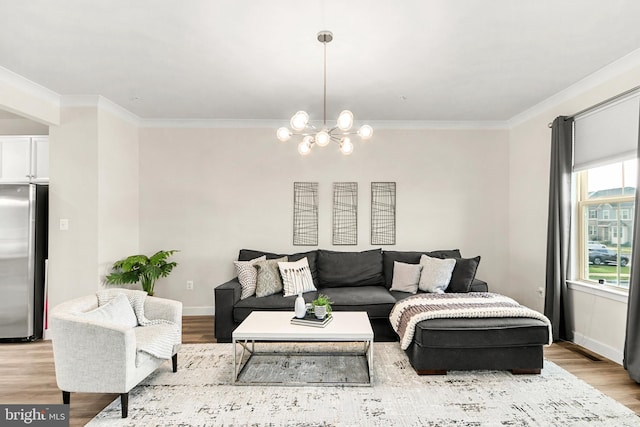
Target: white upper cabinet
x=24, y=159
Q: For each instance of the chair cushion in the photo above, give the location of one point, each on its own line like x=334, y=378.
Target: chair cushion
x=117, y=312
x=337, y=269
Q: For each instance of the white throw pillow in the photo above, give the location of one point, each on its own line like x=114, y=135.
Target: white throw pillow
x=117, y=312
x=248, y=275
x=436, y=274
x=405, y=277
x=296, y=277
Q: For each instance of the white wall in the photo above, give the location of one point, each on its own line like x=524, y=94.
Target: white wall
x=73, y=195
x=118, y=213
x=529, y=154
x=211, y=192
x=94, y=184
x=22, y=127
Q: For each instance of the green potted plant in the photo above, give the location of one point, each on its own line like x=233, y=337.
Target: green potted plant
x=143, y=269
x=321, y=306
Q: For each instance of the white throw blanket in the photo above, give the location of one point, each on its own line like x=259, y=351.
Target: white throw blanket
x=407, y=313
x=161, y=335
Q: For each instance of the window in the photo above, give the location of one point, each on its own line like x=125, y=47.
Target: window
x=605, y=236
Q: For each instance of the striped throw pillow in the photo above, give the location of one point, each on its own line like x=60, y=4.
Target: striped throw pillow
x=296, y=277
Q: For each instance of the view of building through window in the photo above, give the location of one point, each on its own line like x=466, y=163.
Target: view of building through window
x=607, y=204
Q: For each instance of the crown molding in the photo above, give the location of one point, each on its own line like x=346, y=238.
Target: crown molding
x=274, y=124
x=605, y=74
x=49, y=111
x=99, y=101
x=32, y=88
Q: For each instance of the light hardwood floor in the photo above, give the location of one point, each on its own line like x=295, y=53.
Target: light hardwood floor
x=28, y=375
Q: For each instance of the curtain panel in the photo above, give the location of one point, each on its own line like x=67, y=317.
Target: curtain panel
x=631, y=360
x=556, y=303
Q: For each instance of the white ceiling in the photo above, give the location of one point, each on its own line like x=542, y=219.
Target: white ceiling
x=426, y=60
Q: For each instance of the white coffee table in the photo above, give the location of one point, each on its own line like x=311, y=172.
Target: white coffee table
x=275, y=326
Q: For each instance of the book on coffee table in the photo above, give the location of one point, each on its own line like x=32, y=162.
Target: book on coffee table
x=310, y=319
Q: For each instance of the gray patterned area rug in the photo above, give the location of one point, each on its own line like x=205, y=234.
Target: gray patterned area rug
x=201, y=394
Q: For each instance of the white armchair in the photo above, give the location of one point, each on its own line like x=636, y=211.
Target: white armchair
x=98, y=356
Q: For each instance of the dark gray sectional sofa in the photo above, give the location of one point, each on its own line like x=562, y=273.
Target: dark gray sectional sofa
x=361, y=281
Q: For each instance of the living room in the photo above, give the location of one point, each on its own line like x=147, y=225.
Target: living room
x=132, y=179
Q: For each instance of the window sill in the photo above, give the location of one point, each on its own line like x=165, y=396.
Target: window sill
x=599, y=290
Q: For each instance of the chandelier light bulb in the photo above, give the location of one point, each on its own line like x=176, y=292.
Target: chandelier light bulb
x=304, y=147
x=365, y=132
x=283, y=134
x=346, y=146
x=345, y=120
x=322, y=138
x=299, y=120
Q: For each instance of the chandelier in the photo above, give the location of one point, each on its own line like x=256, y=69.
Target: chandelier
x=340, y=133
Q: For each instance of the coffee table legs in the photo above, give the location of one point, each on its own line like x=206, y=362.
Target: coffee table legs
x=237, y=363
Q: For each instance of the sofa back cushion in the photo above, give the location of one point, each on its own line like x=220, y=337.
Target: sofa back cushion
x=411, y=257
x=338, y=269
x=311, y=256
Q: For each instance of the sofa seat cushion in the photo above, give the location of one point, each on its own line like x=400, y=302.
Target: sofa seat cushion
x=338, y=269
x=275, y=302
x=481, y=332
x=375, y=300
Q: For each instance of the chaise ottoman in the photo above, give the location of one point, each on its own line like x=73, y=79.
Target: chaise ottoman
x=504, y=343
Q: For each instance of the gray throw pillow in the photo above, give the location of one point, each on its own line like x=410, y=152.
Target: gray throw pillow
x=436, y=274
x=406, y=277
x=269, y=281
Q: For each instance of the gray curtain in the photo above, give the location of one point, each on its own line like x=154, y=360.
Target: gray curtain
x=556, y=303
x=631, y=359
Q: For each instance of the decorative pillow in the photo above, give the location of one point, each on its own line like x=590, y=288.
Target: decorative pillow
x=269, y=281
x=411, y=257
x=117, y=312
x=311, y=256
x=405, y=277
x=463, y=274
x=296, y=277
x=436, y=274
x=248, y=275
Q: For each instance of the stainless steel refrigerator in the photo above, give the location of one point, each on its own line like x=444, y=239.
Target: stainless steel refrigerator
x=24, y=211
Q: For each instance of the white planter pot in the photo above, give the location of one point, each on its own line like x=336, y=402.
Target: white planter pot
x=320, y=311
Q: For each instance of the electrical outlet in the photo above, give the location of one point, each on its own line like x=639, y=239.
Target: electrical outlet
x=189, y=285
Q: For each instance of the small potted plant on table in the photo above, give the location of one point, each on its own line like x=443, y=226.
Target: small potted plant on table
x=321, y=306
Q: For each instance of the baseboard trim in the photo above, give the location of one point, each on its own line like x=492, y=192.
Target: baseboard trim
x=198, y=311
x=602, y=349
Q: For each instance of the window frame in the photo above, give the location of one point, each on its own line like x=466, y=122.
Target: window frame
x=583, y=218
